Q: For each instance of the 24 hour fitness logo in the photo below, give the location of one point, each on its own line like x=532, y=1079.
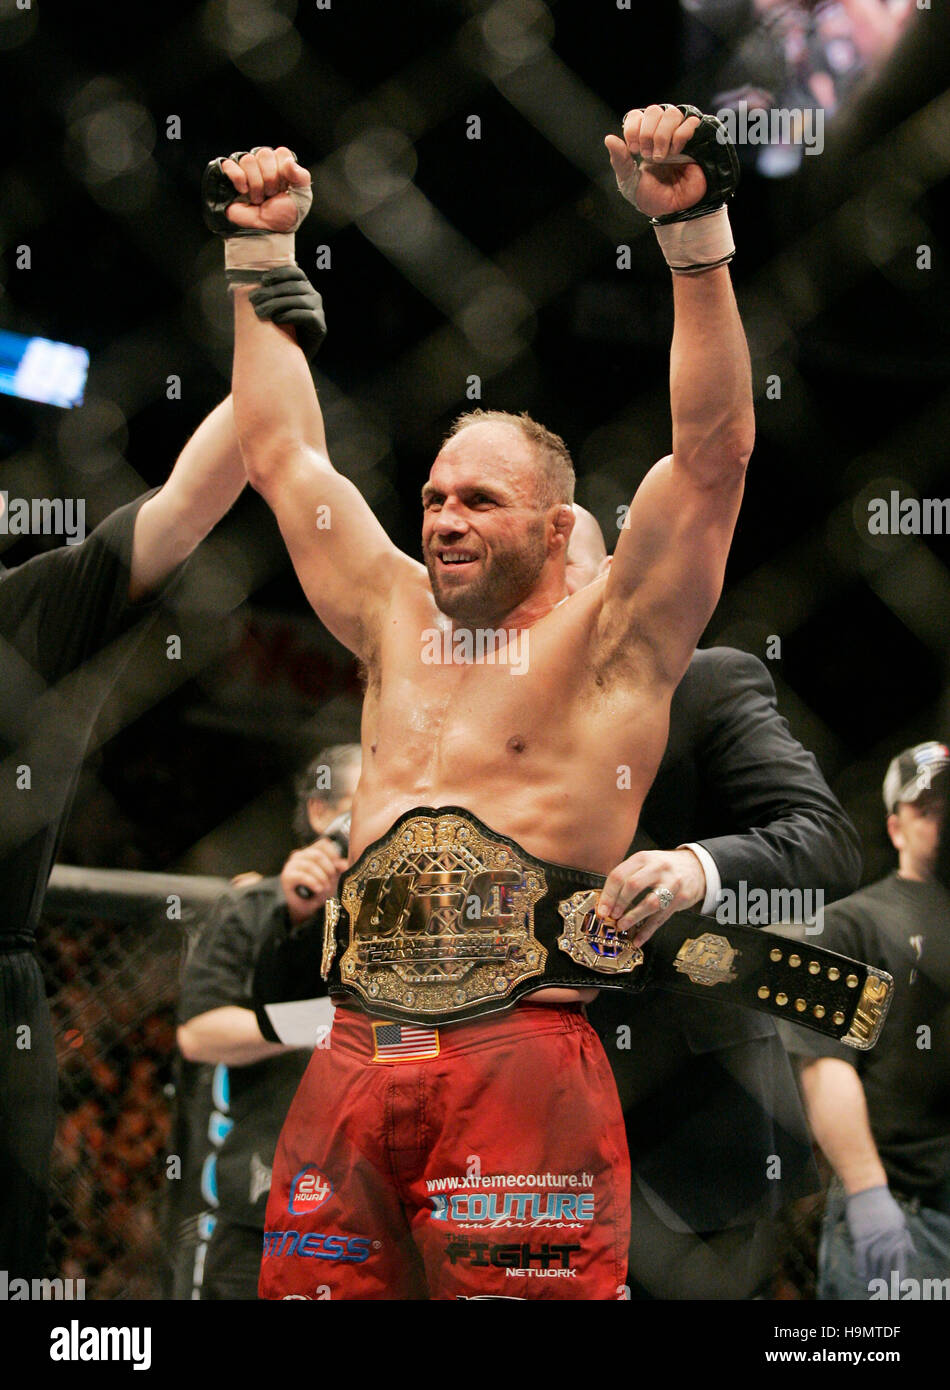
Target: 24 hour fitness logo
x=308, y=1191
x=314, y=1245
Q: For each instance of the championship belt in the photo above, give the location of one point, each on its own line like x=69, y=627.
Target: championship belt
x=444, y=919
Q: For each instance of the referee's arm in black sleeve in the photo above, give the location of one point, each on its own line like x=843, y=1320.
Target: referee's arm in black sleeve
x=218, y=1023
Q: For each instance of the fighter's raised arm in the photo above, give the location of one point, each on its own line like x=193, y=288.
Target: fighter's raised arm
x=669, y=564
x=344, y=560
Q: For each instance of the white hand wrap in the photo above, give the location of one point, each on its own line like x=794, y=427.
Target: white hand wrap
x=263, y=251
x=266, y=250
x=698, y=243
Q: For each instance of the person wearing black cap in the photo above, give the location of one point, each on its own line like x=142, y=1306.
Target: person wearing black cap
x=883, y=1117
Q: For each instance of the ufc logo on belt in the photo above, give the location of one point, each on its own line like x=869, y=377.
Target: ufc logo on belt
x=405, y=904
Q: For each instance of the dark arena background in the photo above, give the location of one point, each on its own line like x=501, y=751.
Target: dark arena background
x=471, y=249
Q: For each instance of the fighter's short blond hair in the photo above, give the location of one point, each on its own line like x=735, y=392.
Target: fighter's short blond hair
x=555, y=476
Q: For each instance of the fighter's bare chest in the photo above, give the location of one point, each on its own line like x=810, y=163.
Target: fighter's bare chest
x=448, y=704
x=480, y=700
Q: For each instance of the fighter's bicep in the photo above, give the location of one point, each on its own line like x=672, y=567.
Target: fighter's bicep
x=669, y=564
x=346, y=564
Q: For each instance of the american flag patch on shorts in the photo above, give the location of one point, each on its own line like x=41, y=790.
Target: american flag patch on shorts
x=404, y=1042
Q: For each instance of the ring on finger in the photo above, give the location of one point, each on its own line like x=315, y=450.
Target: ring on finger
x=665, y=897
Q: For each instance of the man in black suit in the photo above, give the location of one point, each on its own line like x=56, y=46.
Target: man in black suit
x=717, y=1136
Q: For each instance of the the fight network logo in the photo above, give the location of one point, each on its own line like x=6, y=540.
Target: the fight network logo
x=517, y=1260
x=308, y=1191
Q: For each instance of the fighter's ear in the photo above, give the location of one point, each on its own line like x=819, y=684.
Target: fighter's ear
x=564, y=520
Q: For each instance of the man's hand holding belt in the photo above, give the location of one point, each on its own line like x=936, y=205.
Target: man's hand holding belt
x=642, y=892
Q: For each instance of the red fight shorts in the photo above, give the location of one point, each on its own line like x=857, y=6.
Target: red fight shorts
x=484, y=1160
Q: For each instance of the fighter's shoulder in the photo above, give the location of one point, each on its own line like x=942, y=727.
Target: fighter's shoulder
x=411, y=589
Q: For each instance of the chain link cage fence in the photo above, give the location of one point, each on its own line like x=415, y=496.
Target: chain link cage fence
x=111, y=951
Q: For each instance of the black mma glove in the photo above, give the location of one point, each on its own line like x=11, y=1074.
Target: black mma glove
x=286, y=296
x=690, y=245
x=699, y=237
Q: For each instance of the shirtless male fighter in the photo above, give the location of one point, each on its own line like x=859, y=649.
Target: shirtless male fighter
x=462, y=1136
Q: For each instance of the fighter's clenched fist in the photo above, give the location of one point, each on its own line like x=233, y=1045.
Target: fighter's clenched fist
x=256, y=201
x=678, y=167
x=652, y=171
x=269, y=184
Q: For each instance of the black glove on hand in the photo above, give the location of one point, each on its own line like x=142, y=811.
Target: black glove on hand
x=710, y=146
x=287, y=297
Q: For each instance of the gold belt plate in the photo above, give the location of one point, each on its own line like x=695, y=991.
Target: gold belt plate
x=707, y=959
x=592, y=941
x=441, y=917
x=871, y=1011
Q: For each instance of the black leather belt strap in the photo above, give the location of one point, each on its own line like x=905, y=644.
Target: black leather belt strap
x=819, y=989
x=444, y=919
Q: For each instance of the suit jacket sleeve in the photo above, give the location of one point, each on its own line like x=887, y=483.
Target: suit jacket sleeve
x=789, y=831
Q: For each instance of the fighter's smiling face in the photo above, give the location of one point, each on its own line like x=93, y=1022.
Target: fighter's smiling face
x=483, y=532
